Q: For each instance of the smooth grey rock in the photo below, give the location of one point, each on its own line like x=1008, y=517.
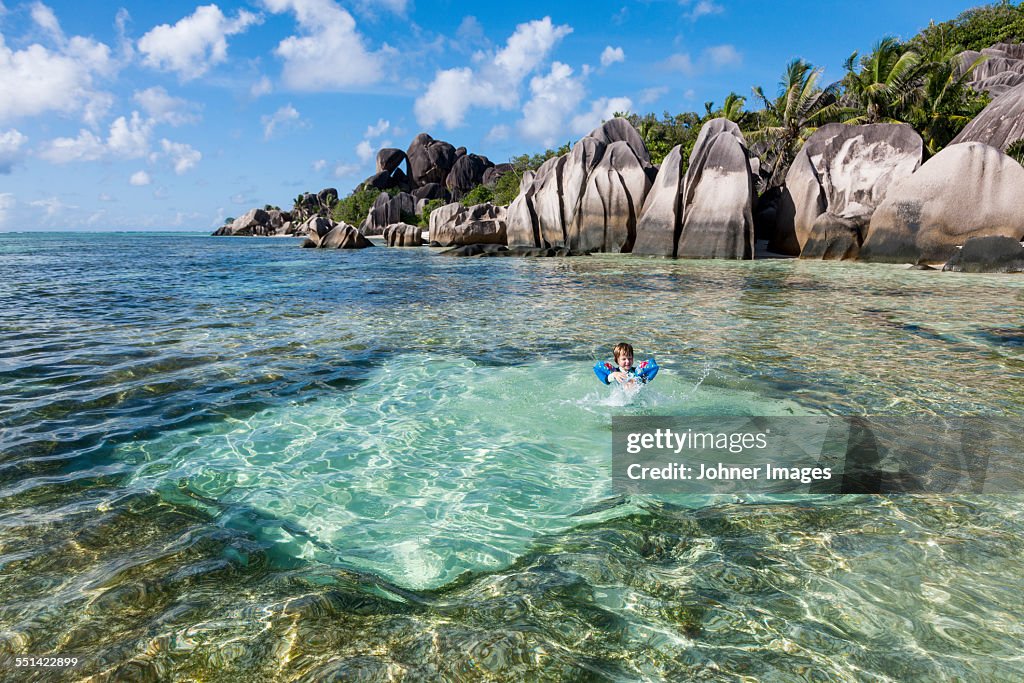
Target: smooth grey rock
x=430, y=160
x=522, y=227
x=620, y=130
x=431, y=191
x=403, y=235
x=660, y=224
x=467, y=173
x=388, y=159
x=608, y=210
x=966, y=190
x=1000, y=124
x=547, y=202
x=1001, y=70
x=316, y=227
x=586, y=154
x=718, y=218
x=387, y=210
x=835, y=238
x=344, y=236
x=845, y=171
x=456, y=225
x=255, y=222
x=994, y=254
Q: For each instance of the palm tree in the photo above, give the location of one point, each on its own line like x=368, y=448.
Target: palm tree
x=732, y=108
x=787, y=121
x=947, y=102
x=887, y=85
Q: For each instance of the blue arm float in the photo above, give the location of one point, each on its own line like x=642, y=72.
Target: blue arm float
x=602, y=369
x=647, y=370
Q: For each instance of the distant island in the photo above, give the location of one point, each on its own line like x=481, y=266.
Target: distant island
x=913, y=157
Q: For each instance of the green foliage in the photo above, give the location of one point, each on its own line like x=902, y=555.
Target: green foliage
x=478, y=195
x=661, y=135
x=354, y=208
x=507, y=188
x=975, y=29
x=1016, y=150
x=424, y=221
x=885, y=85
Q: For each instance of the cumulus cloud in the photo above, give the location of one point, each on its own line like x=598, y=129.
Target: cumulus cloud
x=319, y=165
x=11, y=143
x=377, y=129
x=45, y=19
x=183, y=157
x=330, y=53
x=128, y=138
x=261, y=87
x=364, y=150
x=139, y=179
x=346, y=170
x=36, y=79
x=612, y=55
x=701, y=8
x=165, y=108
x=194, y=44
x=601, y=109
x=279, y=119
x=495, y=82
x=720, y=56
x=554, y=97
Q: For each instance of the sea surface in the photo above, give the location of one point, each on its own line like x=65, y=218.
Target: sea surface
x=234, y=459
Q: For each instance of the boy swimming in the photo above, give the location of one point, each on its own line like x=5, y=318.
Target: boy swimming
x=624, y=371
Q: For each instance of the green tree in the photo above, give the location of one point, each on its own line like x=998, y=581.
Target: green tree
x=946, y=102
x=886, y=85
x=786, y=121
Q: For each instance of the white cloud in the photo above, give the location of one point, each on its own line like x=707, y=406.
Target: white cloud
x=649, y=95
x=701, y=8
x=183, y=157
x=6, y=201
x=37, y=80
x=365, y=151
x=104, y=197
x=319, y=165
x=496, y=82
x=164, y=108
x=128, y=138
x=470, y=34
x=555, y=96
x=612, y=55
x=44, y=17
x=279, y=118
x=11, y=143
x=723, y=55
x=194, y=44
x=139, y=179
x=378, y=129
x=52, y=205
x=711, y=58
x=394, y=6
x=601, y=109
x=499, y=132
x=261, y=87
x=330, y=54
x=346, y=170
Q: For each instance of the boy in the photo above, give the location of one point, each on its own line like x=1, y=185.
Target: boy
x=626, y=373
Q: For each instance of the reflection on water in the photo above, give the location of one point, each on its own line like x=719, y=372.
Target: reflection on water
x=235, y=455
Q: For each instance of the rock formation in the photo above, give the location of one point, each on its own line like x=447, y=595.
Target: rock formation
x=988, y=255
x=387, y=210
x=661, y=219
x=845, y=172
x=467, y=172
x=457, y=225
x=1001, y=69
x=1000, y=124
x=966, y=190
x=259, y=223
x=403, y=235
x=430, y=160
x=344, y=236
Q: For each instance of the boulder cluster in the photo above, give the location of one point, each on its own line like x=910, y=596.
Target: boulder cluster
x=996, y=69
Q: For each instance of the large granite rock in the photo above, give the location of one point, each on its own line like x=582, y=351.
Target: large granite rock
x=403, y=235
x=615, y=192
x=431, y=191
x=467, y=172
x=661, y=220
x=966, y=190
x=316, y=228
x=718, y=202
x=430, y=160
x=388, y=159
x=255, y=222
x=1000, y=124
x=835, y=238
x=344, y=236
x=387, y=210
x=845, y=172
x=493, y=173
x=620, y=130
x=993, y=254
x=1001, y=69
x=457, y=225
x=522, y=229
x=547, y=202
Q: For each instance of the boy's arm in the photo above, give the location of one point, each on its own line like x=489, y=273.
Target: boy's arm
x=647, y=370
x=603, y=369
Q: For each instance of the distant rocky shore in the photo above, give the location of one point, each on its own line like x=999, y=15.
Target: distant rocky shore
x=853, y=192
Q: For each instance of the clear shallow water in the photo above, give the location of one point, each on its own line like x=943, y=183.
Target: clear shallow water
x=236, y=455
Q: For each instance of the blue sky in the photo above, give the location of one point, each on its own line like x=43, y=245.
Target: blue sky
x=174, y=115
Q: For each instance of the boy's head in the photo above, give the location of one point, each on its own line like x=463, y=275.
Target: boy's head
x=623, y=354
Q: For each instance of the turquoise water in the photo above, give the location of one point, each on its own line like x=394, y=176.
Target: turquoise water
x=236, y=457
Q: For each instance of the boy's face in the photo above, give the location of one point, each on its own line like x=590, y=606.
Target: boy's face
x=625, y=361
